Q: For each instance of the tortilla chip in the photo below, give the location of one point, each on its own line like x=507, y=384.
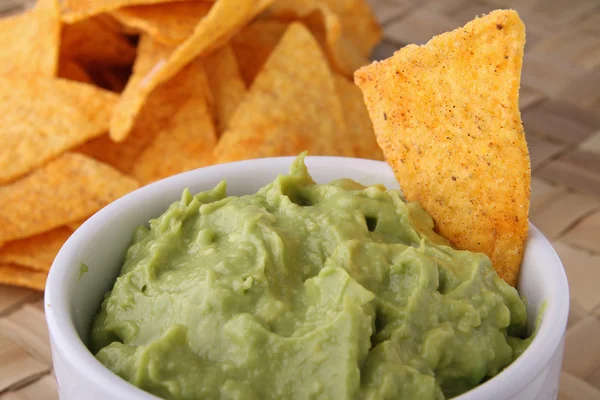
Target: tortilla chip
x=360, y=132
x=123, y=156
x=186, y=143
x=93, y=43
x=446, y=116
x=180, y=112
x=41, y=118
x=35, y=252
x=65, y=190
x=253, y=46
x=327, y=27
x=226, y=83
x=169, y=23
x=24, y=277
x=223, y=21
x=71, y=70
x=292, y=106
x=184, y=138
x=29, y=42
x=77, y=10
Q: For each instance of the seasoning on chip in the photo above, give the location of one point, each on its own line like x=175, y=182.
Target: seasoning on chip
x=72, y=187
x=93, y=43
x=253, y=45
x=359, y=127
x=35, y=252
x=29, y=42
x=292, y=106
x=24, y=277
x=41, y=118
x=226, y=83
x=169, y=23
x=223, y=21
x=446, y=116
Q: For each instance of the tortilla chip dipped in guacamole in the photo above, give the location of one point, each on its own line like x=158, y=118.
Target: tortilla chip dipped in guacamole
x=305, y=291
x=447, y=117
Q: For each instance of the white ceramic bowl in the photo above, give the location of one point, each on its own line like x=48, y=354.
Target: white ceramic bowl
x=72, y=298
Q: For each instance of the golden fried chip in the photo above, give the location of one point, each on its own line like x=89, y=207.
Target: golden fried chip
x=94, y=43
x=169, y=23
x=77, y=10
x=175, y=125
x=446, y=116
x=292, y=106
x=253, y=46
x=65, y=190
x=23, y=277
x=223, y=21
x=29, y=42
x=226, y=83
x=360, y=132
x=71, y=70
x=346, y=50
x=36, y=252
x=153, y=117
x=187, y=140
x=42, y=118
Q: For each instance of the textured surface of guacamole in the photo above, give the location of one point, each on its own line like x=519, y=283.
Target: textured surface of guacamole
x=304, y=291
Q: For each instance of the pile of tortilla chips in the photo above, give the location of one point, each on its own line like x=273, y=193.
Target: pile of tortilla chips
x=100, y=97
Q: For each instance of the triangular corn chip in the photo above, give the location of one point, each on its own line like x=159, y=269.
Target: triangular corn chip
x=223, y=21
x=225, y=80
x=187, y=140
x=65, y=190
x=153, y=117
x=169, y=23
x=29, y=42
x=41, y=118
x=292, y=106
x=359, y=128
x=446, y=116
x=36, y=252
x=175, y=125
x=253, y=46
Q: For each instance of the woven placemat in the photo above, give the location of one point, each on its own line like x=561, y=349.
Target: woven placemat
x=560, y=101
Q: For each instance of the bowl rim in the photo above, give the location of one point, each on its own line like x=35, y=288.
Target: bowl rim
x=65, y=337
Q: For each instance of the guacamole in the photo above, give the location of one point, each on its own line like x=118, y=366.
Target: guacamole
x=305, y=291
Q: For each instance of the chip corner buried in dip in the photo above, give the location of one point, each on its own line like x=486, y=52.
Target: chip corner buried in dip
x=305, y=290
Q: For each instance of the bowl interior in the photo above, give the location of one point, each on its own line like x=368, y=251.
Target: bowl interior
x=73, y=296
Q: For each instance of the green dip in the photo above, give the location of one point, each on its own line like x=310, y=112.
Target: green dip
x=305, y=291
